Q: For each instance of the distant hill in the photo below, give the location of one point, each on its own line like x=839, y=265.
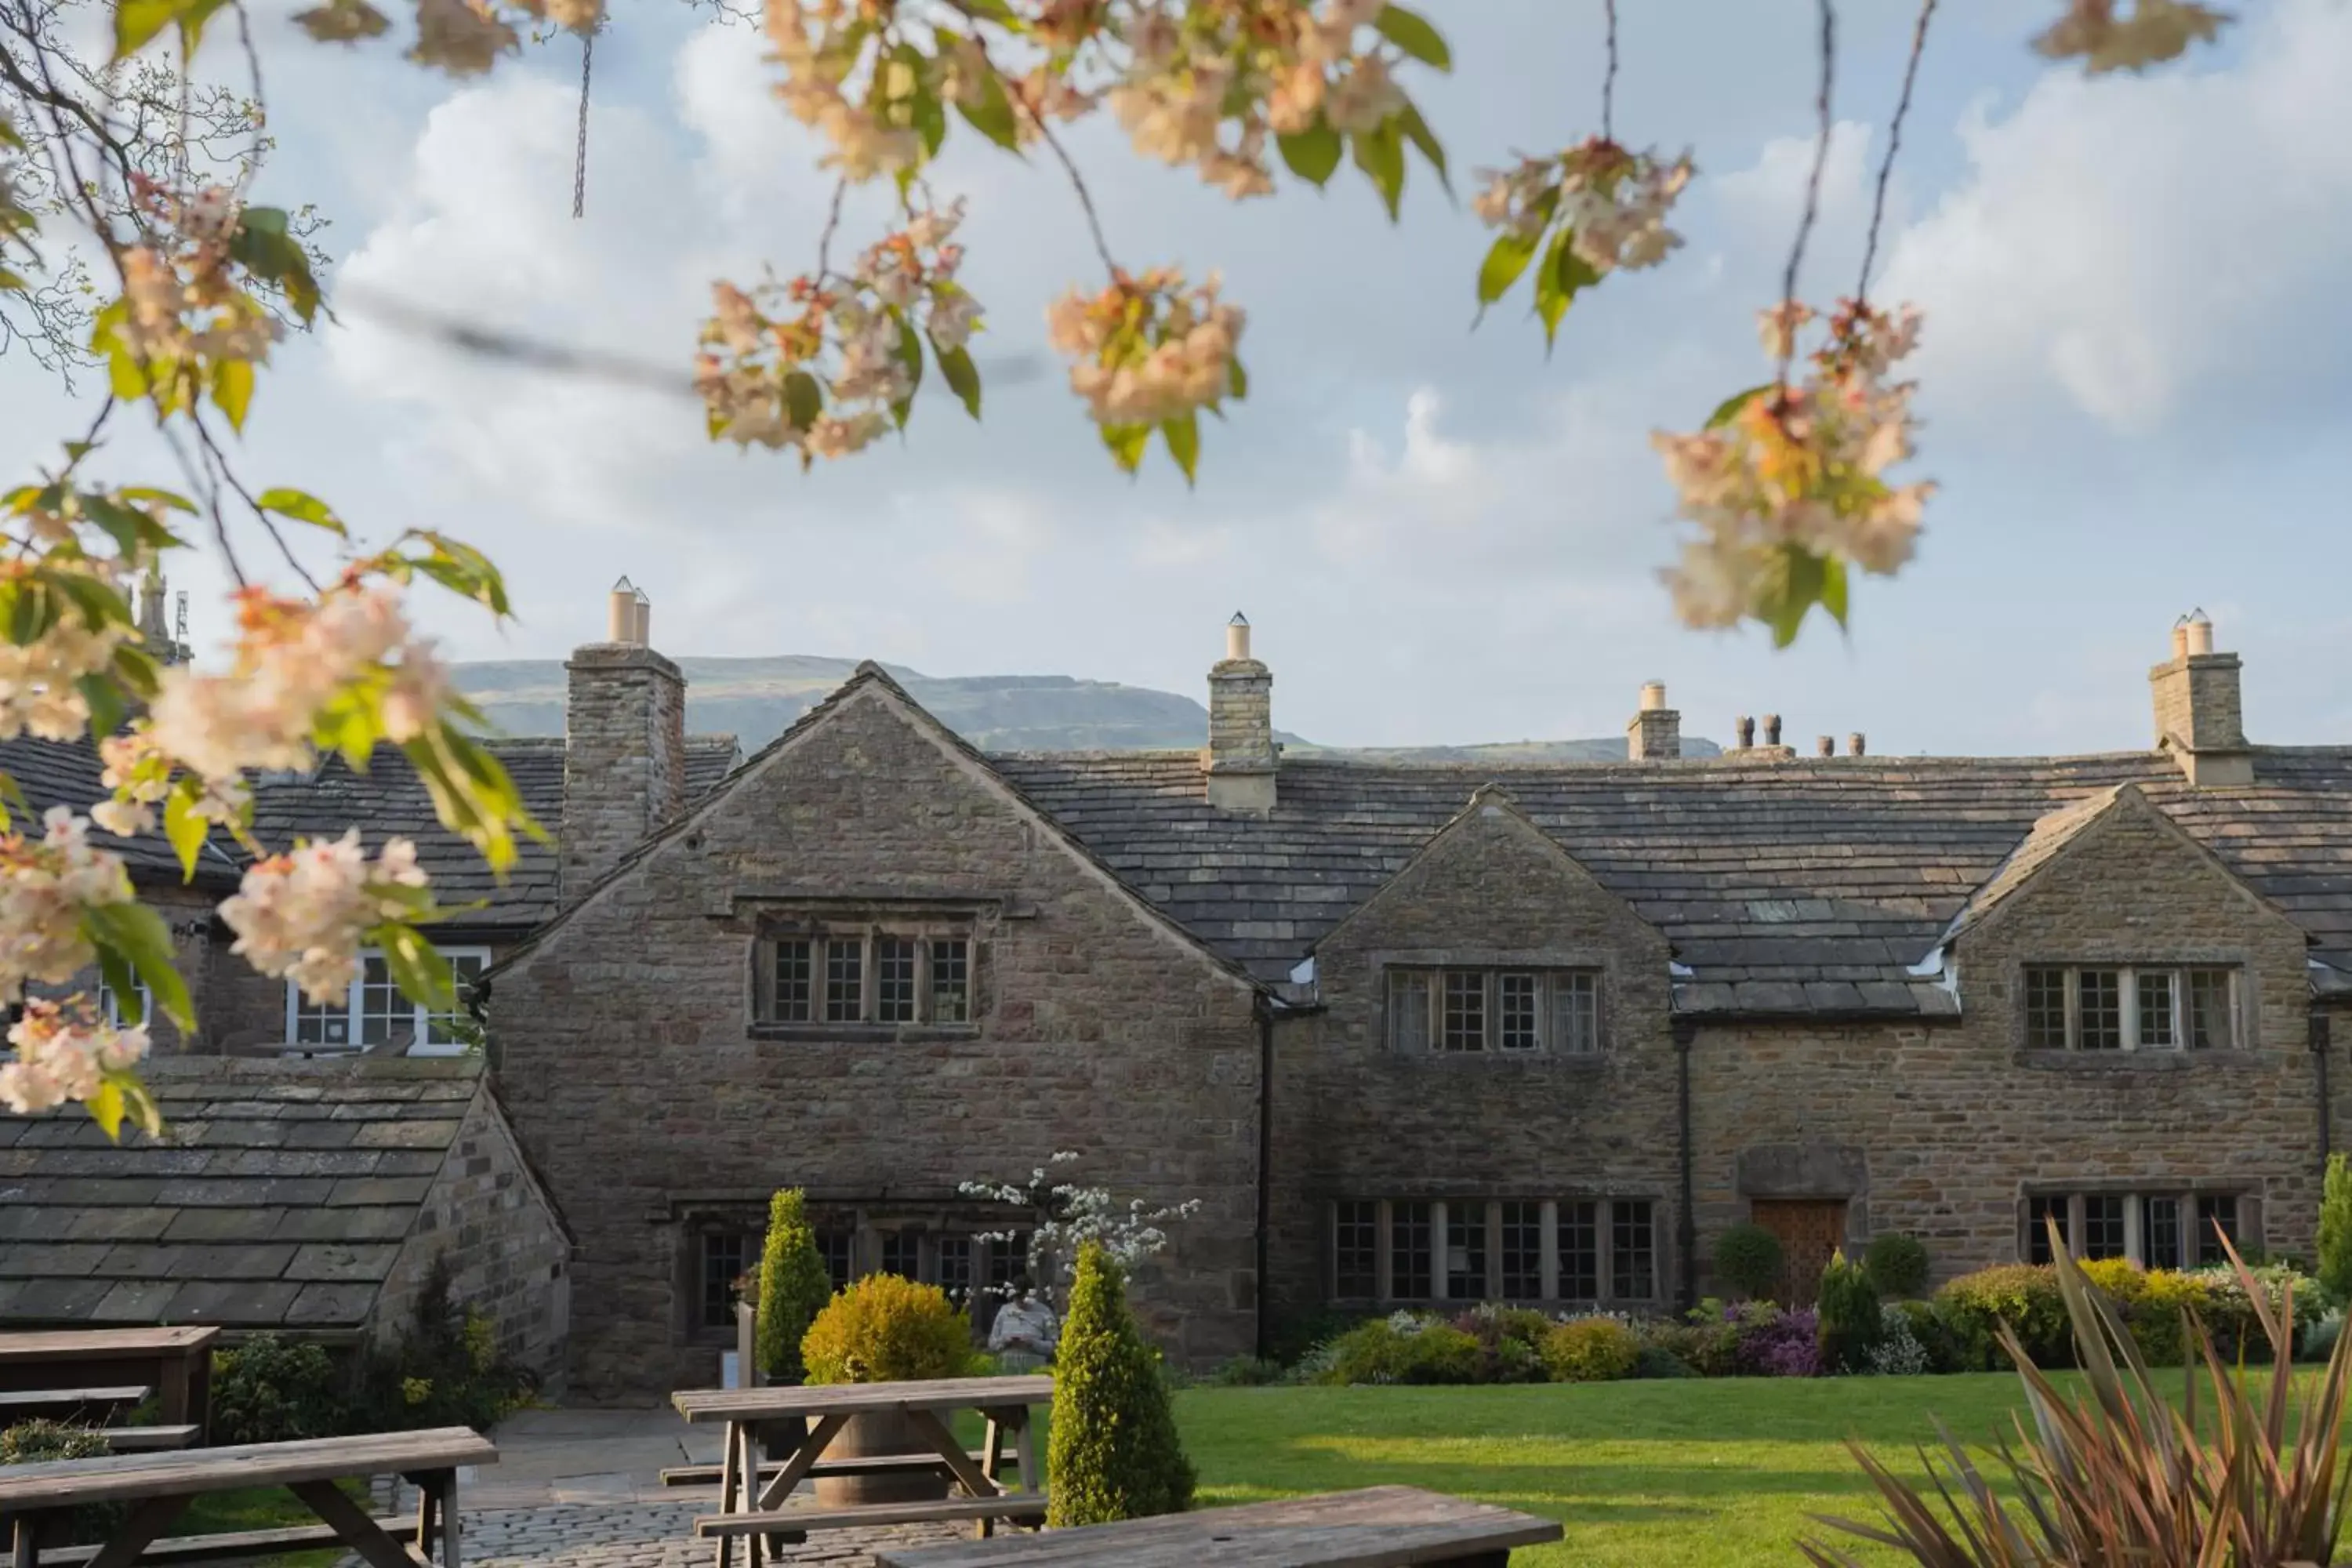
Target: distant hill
x=757, y=699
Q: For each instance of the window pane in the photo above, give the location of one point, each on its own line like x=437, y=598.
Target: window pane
x=845, y=982
x=2039, y=1213
x=2157, y=1031
x=2103, y=1226
x=2101, y=1007
x=465, y=968
x=1522, y=1246
x=722, y=1265
x=1466, y=1252
x=2045, y=1009
x=902, y=1253
x=894, y=980
x=1409, y=1010
x=1516, y=1001
x=321, y=1023
x=2159, y=1232
x=1580, y=1250
x=1409, y=1252
x=1576, y=1012
x=954, y=1255
x=1355, y=1249
x=383, y=1011
x=833, y=1246
x=796, y=982
x=1465, y=1011
x=109, y=1005
x=2211, y=1212
x=1007, y=1258
x=2209, y=1010
x=1632, y=1264
x=950, y=981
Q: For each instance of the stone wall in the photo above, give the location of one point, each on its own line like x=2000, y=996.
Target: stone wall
x=646, y=1094
x=507, y=1255
x=623, y=759
x=1355, y=1119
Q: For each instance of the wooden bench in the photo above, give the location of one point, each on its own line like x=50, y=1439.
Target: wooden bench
x=1379, y=1527
x=158, y=1487
x=64, y=1403
x=177, y=1363
x=147, y=1440
x=227, y=1546
x=861, y=1464
x=792, y=1524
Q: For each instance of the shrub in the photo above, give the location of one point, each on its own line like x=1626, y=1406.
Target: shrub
x=270, y=1390
x=1898, y=1352
x=36, y=1442
x=2023, y=1295
x=1748, y=1258
x=2336, y=1231
x=1113, y=1452
x=2320, y=1335
x=1590, y=1350
x=1851, y=1323
x=793, y=1289
x=1897, y=1264
x=1773, y=1343
x=1245, y=1372
x=1654, y=1362
x=1297, y=1335
x=1706, y=1340
x=1933, y=1335
x=884, y=1328
x=1510, y=1341
x=444, y=1371
x=1404, y=1348
x=2153, y=1313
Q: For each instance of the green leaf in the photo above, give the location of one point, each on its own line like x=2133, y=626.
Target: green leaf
x=993, y=116
x=1380, y=154
x=233, y=389
x=1126, y=444
x=136, y=22
x=1797, y=580
x=263, y=220
x=105, y=700
x=961, y=374
x=910, y=355
x=421, y=973
x=139, y=934
x=132, y=531
x=123, y=981
x=137, y=670
x=1183, y=438
x=148, y=495
x=184, y=828
x=1728, y=409
x=462, y=569
x=1237, y=380
x=995, y=11
x=1834, y=589
x=1417, y=131
x=930, y=118
x=13, y=803
x=804, y=398
x=1563, y=274
x=1313, y=154
x=1411, y=31
x=1506, y=259
x=302, y=507
x=105, y=1107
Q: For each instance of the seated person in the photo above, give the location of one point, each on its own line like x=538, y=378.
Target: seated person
x=1022, y=1337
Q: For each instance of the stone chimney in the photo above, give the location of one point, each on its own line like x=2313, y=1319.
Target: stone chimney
x=2198, y=716
x=624, y=743
x=1745, y=729
x=1857, y=745
x=1655, y=733
x=1771, y=729
x=1241, y=757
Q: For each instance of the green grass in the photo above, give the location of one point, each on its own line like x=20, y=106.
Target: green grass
x=260, y=1508
x=1719, y=1471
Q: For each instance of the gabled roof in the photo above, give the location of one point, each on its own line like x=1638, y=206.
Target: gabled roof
x=278, y=1196
x=68, y=774
x=2036, y=849
x=1783, y=886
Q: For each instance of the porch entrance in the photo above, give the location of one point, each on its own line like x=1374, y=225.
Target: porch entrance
x=1809, y=1230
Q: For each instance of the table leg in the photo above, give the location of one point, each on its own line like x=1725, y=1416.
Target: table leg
x=1024, y=1452
x=449, y=1532
x=24, y=1549
x=731, y=1478
x=145, y=1523
x=428, y=1502
x=780, y=1487
x=362, y=1534
x=992, y=1447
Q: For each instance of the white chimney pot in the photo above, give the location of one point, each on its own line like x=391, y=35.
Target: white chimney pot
x=1237, y=637
x=2201, y=634
x=620, y=613
x=1653, y=696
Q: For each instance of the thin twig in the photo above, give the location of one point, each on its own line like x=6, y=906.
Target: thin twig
x=831, y=222
x=1077, y=184
x=1812, y=185
x=228, y=475
x=1609, y=78
x=1893, y=141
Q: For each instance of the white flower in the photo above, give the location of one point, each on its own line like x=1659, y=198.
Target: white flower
x=302, y=914
x=45, y=886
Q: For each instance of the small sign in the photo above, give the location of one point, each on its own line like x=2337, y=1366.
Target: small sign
x=729, y=1374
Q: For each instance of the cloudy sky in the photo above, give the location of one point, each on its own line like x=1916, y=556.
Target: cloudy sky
x=2133, y=376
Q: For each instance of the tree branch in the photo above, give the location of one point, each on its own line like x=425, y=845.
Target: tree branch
x=1894, y=142
x=1812, y=182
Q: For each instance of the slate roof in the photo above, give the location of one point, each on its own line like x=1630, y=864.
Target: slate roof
x=67, y=773
x=278, y=1196
x=1783, y=886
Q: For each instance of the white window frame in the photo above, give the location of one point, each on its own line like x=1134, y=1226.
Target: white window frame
x=110, y=1006
x=1421, y=987
x=2127, y=979
x=418, y=1042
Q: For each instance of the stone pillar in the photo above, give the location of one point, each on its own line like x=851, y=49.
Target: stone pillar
x=624, y=749
x=2199, y=715
x=1655, y=732
x=1241, y=759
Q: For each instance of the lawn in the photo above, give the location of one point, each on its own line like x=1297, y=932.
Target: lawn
x=1719, y=1471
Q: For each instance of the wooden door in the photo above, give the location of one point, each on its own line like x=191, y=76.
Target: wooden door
x=1809, y=1230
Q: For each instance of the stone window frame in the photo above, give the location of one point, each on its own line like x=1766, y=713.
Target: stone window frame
x=2130, y=974
x=1557, y=980
x=2073, y=1198
x=1348, y=1216
x=420, y=1040
x=928, y=929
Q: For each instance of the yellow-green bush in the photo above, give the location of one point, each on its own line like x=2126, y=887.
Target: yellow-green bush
x=884, y=1328
x=1590, y=1350
x=2023, y=1295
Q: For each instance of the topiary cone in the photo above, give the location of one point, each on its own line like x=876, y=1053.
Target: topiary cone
x=793, y=1289
x=1114, y=1452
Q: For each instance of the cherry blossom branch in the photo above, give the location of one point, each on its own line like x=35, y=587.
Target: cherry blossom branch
x=1812, y=188
x=268, y=523
x=1609, y=77
x=832, y=223
x=1079, y=184
x=1894, y=143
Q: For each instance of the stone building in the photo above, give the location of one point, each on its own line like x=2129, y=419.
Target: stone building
x=1409, y=1032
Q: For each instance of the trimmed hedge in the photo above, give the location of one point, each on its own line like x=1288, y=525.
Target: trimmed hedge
x=793, y=1289
x=1850, y=1326
x=1898, y=1266
x=1112, y=1452
x=1590, y=1350
x=1749, y=1259
x=884, y=1328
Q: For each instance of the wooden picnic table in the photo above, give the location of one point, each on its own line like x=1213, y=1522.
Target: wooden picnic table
x=159, y=1487
x=177, y=1363
x=751, y=1497
x=1379, y=1527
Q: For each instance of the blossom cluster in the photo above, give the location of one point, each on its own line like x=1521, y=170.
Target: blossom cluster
x=40, y=691
x=1068, y=1218
x=1799, y=469
x=46, y=884
x=302, y=914
x=1148, y=349
x=2156, y=31
x=820, y=44
x=1611, y=202
x=826, y=364
x=64, y=1051
x=180, y=297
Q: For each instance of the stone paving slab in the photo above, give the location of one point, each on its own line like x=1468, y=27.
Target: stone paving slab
x=638, y=1535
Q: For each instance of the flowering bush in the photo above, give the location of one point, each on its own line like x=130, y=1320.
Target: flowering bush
x=1775, y=1343
x=1898, y=1352
x=1066, y=1217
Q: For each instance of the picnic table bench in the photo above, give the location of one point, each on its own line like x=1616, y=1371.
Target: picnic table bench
x=175, y=1363
x=159, y=1487
x=1379, y=1527
x=61, y=1403
x=751, y=1495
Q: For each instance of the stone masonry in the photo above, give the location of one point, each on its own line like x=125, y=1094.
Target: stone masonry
x=624, y=757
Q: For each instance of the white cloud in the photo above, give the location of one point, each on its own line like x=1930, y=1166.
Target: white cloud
x=2123, y=242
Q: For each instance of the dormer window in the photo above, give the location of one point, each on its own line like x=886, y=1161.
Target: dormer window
x=917, y=975
x=2131, y=1007
x=1513, y=1012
